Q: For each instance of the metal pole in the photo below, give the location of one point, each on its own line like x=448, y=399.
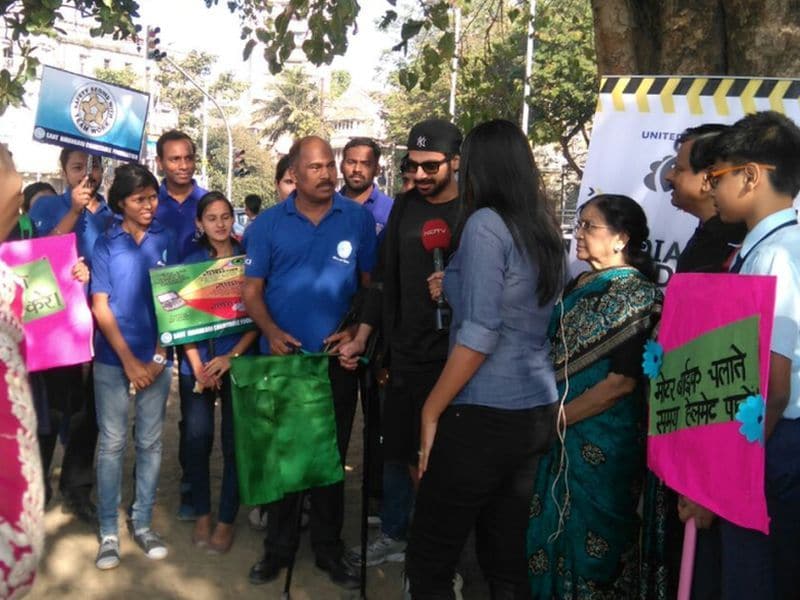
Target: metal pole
x=204, y=164
x=526, y=90
x=454, y=66
x=177, y=67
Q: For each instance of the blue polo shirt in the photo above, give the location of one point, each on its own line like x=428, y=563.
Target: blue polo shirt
x=311, y=272
x=179, y=217
x=121, y=270
x=380, y=205
x=47, y=212
x=222, y=344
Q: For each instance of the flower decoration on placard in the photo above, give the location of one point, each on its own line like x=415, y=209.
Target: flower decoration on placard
x=751, y=416
x=653, y=359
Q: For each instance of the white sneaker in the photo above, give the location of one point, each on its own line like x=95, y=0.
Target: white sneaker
x=382, y=549
x=108, y=553
x=149, y=541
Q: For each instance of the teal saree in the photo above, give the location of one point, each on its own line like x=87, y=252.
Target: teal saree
x=588, y=548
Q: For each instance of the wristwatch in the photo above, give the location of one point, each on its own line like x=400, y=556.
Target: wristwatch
x=159, y=359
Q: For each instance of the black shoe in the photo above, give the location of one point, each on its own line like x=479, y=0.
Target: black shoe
x=267, y=569
x=84, y=509
x=339, y=571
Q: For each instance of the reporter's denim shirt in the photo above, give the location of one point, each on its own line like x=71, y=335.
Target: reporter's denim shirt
x=491, y=287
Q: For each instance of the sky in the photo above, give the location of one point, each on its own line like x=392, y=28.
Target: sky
x=188, y=24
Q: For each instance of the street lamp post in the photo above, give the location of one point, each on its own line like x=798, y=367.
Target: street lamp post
x=526, y=90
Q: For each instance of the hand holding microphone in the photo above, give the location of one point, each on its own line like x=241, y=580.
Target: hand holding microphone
x=436, y=239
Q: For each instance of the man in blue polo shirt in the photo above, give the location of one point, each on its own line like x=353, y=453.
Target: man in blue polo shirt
x=179, y=193
x=178, y=197
x=360, y=163
x=70, y=390
x=306, y=259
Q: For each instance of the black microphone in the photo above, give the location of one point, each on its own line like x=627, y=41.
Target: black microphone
x=436, y=239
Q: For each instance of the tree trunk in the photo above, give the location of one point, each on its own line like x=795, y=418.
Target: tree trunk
x=697, y=37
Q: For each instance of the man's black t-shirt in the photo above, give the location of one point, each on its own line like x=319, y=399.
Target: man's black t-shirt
x=415, y=343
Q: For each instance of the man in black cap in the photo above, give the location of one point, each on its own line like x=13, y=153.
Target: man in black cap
x=416, y=351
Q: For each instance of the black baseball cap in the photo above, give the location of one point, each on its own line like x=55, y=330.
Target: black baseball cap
x=435, y=135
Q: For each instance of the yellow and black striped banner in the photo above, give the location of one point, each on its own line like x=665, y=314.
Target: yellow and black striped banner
x=702, y=95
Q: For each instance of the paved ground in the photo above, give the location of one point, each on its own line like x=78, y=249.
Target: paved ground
x=67, y=570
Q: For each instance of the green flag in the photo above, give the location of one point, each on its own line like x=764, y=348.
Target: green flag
x=284, y=425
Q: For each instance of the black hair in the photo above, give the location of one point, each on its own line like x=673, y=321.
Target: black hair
x=63, y=157
x=701, y=156
x=765, y=137
x=363, y=141
x=173, y=135
x=624, y=215
x=205, y=201
x=281, y=167
x=498, y=171
x=32, y=189
x=129, y=179
x=253, y=203
x=297, y=148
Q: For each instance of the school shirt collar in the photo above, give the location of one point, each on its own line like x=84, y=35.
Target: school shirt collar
x=116, y=229
x=764, y=226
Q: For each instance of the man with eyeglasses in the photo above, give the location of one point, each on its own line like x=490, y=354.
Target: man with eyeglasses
x=713, y=242
x=416, y=349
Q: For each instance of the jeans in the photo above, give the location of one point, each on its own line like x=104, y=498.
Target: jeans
x=480, y=474
x=398, y=499
x=111, y=394
x=327, y=503
x=761, y=566
x=198, y=435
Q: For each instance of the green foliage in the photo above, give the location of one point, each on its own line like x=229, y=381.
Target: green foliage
x=492, y=72
x=25, y=18
x=293, y=109
x=340, y=81
x=187, y=99
x=259, y=162
x=126, y=76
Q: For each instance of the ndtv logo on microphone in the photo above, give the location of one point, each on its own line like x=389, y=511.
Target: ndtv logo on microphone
x=436, y=231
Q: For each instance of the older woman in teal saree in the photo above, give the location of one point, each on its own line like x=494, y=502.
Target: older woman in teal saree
x=584, y=529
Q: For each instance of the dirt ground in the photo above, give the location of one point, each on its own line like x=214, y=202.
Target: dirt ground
x=67, y=569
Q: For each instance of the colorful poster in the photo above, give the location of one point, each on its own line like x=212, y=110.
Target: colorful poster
x=199, y=301
x=57, y=320
x=708, y=379
x=637, y=123
x=87, y=114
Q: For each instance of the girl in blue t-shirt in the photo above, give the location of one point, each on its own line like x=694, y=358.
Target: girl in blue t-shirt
x=204, y=375
x=128, y=355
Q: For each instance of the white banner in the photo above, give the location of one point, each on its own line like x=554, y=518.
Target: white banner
x=632, y=148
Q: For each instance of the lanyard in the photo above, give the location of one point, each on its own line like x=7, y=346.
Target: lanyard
x=740, y=258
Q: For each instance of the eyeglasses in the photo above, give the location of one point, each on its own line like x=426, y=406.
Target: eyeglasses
x=587, y=226
x=430, y=167
x=713, y=177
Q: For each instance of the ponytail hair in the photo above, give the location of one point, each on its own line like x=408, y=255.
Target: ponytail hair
x=207, y=200
x=625, y=215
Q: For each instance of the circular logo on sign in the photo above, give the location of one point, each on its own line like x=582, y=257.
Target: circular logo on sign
x=166, y=337
x=38, y=133
x=93, y=110
x=344, y=249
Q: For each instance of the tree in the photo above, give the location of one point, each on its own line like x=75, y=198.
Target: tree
x=126, y=77
x=706, y=37
x=260, y=164
x=26, y=18
x=187, y=99
x=293, y=109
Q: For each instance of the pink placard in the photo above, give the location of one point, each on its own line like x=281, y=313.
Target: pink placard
x=715, y=465
x=64, y=337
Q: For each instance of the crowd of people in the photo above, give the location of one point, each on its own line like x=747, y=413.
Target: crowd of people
x=505, y=386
